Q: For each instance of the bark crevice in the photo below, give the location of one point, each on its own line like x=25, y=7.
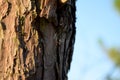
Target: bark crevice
x=36, y=39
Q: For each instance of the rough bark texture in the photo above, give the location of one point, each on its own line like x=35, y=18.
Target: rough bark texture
x=36, y=39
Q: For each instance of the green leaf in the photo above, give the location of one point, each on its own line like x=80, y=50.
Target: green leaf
x=117, y=4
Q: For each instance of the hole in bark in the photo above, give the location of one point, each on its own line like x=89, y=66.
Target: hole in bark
x=3, y=26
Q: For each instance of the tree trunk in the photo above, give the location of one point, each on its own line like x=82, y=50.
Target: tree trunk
x=36, y=39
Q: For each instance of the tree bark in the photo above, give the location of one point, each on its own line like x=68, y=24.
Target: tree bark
x=36, y=39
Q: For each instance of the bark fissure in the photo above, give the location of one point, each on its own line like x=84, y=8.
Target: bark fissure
x=36, y=39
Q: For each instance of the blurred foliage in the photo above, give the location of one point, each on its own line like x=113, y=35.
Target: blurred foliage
x=117, y=4
x=114, y=55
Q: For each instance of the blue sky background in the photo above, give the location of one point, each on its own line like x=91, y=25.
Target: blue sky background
x=95, y=19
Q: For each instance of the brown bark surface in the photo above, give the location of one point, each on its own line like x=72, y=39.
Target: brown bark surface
x=36, y=39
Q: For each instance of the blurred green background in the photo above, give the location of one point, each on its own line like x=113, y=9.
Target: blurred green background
x=97, y=48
